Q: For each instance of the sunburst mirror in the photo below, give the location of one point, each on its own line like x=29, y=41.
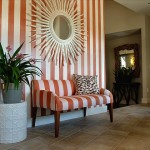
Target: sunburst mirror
x=60, y=27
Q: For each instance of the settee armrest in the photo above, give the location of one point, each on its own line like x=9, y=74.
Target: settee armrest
x=108, y=93
x=44, y=99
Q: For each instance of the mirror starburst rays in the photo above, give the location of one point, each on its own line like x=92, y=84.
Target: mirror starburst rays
x=51, y=47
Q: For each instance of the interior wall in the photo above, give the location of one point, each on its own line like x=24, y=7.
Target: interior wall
x=147, y=38
x=119, y=18
x=110, y=59
x=14, y=31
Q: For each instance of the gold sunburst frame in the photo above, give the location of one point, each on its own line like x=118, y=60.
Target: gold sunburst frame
x=50, y=45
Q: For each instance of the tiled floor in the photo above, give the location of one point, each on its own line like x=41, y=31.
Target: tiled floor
x=129, y=131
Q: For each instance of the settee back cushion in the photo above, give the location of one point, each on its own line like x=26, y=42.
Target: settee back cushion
x=59, y=87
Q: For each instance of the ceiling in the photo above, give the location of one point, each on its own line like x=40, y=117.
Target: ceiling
x=122, y=34
x=139, y=6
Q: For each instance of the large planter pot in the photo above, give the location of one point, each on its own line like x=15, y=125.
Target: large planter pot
x=13, y=122
x=12, y=95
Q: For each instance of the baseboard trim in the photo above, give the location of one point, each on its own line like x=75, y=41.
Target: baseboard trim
x=145, y=100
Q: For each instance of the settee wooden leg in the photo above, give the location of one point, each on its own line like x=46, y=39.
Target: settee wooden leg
x=57, y=122
x=34, y=112
x=110, y=107
x=84, y=111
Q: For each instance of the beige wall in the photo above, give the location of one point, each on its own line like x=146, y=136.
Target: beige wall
x=119, y=18
x=110, y=59
x=147, y=67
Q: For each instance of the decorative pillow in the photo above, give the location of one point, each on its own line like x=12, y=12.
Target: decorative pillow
x=86, y=84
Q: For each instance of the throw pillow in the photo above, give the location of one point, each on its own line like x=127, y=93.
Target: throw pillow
x=86, y=84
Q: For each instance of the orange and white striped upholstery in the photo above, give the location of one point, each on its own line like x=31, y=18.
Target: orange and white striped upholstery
x=59, y=95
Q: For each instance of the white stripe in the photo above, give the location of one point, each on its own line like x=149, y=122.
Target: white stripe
x=64, y=103
x=41, y=85
x=108, y=99
x=72, y=68
x=101, y=100
x=48, y=68
x=38, y=56
x=79, y=64
x=85, y=38
x=91, y=38
x=93, y=100
x=75, y=102
x=4, y=23
x=69, y=89
x=106, y=92
x=16, y=24
x=65, y=70
x=61, y=89
x=102, y=48
x=84, y=100
x=97, y=40
x=51, y=85
x=45, y=99
x=79, y=57
x=56, y=72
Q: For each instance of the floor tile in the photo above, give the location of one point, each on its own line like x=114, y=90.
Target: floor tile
x=130, y=130
x=132, y=144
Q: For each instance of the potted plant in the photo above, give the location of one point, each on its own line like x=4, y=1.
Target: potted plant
x=124, y=75
x=14, y=69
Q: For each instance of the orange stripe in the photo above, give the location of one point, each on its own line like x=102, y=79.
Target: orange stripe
x=76, y=64
x=69, y=71
x=104, y=99
x=96, y=98
x=11, y=23
x=36, y=85
x=88, y=100
x=49, y=100
x=56, y=87
x=61, y=73
x=52, y=70
x=0, y=18
x=88, y=37
x=41, y=98
x=46, y=84
x=82, y=56
x=102, y=91
x=43, y=68
x=59, y=105
x=72, y=87
x=80, y=101
x=33, y=51
x=94, y=39
x=35, y=104
x=23, y=32
x=65, y=87
x=99, y=39
x=23, y=23
x=70, y=103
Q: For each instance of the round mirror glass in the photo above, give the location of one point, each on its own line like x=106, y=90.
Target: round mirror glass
x=61, y=27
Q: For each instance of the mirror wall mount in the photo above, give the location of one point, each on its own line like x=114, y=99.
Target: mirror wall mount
x=52, y=46
x=128, y=48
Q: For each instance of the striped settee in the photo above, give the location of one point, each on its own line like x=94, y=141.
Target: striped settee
x=59, y=95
